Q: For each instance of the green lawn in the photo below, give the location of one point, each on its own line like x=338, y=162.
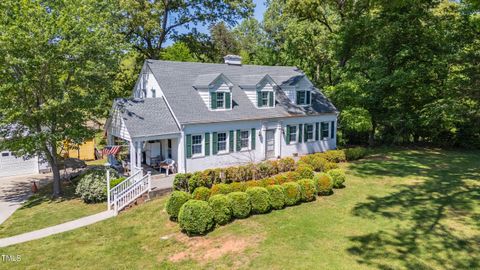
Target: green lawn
x=41, y=211
x=401, y=209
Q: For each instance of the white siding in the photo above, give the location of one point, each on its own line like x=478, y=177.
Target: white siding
x=238, y=158
x=147, y=81
x=11, y=165
x=252, y=92
x=290, y=92
x=205, y=93
x=117, y=126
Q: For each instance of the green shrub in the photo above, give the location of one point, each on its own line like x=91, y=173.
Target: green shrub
x=267, y=169
x=241, y=205
x=317, y=162
x=196, y=217
x=355, y=153
x=115, y=182
x=307, y=189
x=181, y=181
x=198, y=179
x=330, y=166
x=222, y=208
x=292, y=176
x=238, y=186
x=221, y=189
x=277, y=196
x=201, y=193
x=233, y=175
x=175, y=202
x=281, y=178
x=245, y=173
x=338, y=177
x=92, y=186
x=305, y=171
x=335, y=156
x=323, y=183
x=259, y=199
x=265, y=182
x=253, y=183
x=286, y=164
x=292, y=193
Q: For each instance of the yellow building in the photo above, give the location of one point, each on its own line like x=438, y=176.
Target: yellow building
x=85, y=151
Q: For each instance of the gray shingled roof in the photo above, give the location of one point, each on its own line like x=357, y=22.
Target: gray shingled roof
x=176, y=80
x=146, y=117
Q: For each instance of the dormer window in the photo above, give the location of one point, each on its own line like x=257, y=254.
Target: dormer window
x=304, y=97
x=215, y=90
x=265, y=99
x=220, y=100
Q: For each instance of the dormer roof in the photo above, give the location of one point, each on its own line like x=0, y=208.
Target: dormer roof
x=251, y=81
x=207, y=80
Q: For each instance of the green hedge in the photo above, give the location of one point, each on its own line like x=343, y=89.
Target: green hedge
x=222, y=208
x=338, y=177
x=259, y=199
x=277, y=196
x=292, y=193
x=196, y=217
x=181, y=181
x=201, y=193
x=221, y=189
x=241, y=205
x=175, y=202
x=308, y=190
x=355, y=153
x=324, y=184
x=304, y=171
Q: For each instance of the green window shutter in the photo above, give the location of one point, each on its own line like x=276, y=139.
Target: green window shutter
x=253, y=137
x=213, y=99
x=332, y=129
x=214, y=143
x=259, y=99
x=305, y=133
x=189, y=146
x=228, y=101
x=317, y=131
x=300, y=129
x=230, y=141
x=270, y=99
x=287, y=136
x=297, y=98
x=207, y=144
x=238, y=140
x=308, y=96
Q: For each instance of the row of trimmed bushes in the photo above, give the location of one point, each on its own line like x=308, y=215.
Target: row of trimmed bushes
x=264, y=171
x=197, y=213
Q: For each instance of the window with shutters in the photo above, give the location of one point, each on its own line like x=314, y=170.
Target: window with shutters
x=293, y=133
x=220, y=100
x=264, y=99
x=222, y=142
x=303, y=97
x=309, y=132
x=244, y=139
x=324, y=130
x=197, y=149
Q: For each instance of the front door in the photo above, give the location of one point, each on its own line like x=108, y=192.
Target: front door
x=270, y=144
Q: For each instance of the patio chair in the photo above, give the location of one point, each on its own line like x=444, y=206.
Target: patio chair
x=168, y=164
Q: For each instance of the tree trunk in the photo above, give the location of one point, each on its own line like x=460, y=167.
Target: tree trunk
x=53, y=162
x=371, y=135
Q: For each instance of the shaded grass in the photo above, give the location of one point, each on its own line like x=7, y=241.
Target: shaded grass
x=41, y=211
x=401, y=209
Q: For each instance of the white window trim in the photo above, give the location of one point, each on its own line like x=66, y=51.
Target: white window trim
x=224, y=103
x=267, y=106
x=242, y=149
x=227, y=143
x=313, y=132
x=306, y=91
x=296, y=134
x=320, y=131
x=202, y=154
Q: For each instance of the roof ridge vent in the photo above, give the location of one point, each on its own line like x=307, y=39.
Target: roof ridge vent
x=232, y=59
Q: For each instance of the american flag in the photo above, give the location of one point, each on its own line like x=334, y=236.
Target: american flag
x=111, y=150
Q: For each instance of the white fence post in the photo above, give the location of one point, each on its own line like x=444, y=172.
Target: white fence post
x=149, y=181
x=109, y=206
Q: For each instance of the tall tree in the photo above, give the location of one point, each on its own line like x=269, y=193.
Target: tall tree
x=56, y=60
x=223, y=40
x=149, y=23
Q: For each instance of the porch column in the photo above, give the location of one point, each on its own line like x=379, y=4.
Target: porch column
x=278, y=140
x=139, y=154
x=133, y=157
x=181, y=162
x=263, y=140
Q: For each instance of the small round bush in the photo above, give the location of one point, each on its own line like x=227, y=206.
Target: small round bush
x=253, y=183
x=338, y=177
x=323, y=183
x=241, y=205
x=175, y=202
x=265, y=182
x=335, y=156
x=281, y=178
x=220, y=189
x=318, y=163
x=259, y=199
x=330, y=166
x=92, y=186
x=308, y=190
x=238, y=186
x=196, y=217
x=198, y=179
x=305, y=171
x=201, y=193
x=292, y=176
x=355, y=153
x=286, y=164
x=277, y=196
x=292, y=193
x=222, y=208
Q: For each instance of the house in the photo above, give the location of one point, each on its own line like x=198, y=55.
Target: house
x=215, y=115
x=11, y=165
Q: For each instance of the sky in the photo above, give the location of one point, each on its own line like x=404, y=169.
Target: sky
x=258, y=14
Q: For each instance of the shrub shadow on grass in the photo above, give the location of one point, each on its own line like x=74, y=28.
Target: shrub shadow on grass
x=438, y=223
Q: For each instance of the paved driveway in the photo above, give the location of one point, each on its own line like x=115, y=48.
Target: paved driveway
x=14, y=190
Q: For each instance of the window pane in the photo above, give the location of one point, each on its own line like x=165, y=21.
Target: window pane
x=222, y=142
x=293, y=133
x=301, y=97
x=264, y=98
x=324, y=130
x=220, y=99
x=244, y=139
x=309, y=132
x=196, y=144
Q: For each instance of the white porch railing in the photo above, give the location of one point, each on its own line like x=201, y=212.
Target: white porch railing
x=129, y=190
